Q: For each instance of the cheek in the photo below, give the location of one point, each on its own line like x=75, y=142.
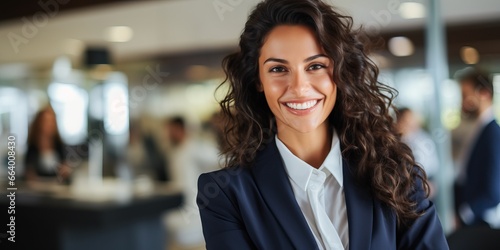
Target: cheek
x=274, y=86
x=328, y=87
x=271, y=94
x=324, y=80
x=470, y=102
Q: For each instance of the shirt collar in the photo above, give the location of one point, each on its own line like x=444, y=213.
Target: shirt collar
x=300, y=172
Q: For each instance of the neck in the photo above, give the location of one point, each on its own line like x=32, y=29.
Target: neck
x=311, y=147
x=485, y=106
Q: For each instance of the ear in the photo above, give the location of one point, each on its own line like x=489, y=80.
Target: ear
x=484, y=94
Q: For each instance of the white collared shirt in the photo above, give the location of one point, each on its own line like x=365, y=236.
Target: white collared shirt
x=328, y=179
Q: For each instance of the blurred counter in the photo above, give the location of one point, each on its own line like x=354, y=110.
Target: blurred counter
x=47, y=216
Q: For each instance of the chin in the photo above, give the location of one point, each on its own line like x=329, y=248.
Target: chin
x=305, y=127
x=470, y=115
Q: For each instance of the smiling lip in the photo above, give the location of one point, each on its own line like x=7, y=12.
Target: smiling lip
x=301, y=107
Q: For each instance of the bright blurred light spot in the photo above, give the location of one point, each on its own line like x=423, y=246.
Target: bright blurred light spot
x=401, y=46
x=119, y=34
x=62, y=92
x=70, y=104
x=116, y=110
x=411, y=10
x=8, y=96
x=61, y=69
x=469, y=55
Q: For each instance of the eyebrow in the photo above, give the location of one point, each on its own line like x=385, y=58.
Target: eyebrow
x=272, y=59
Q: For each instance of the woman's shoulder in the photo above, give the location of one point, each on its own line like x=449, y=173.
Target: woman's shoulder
x=226, y=177
x=239, y=172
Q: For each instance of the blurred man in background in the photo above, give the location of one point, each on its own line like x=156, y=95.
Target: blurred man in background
x=477, y=187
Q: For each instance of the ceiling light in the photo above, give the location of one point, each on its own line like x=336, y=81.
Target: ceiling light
x=469, y=55
x=118, y=34
x=411, y=10
x=401, y=46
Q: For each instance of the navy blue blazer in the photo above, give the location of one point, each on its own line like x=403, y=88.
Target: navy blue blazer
x=481, y=190
x=255, y=208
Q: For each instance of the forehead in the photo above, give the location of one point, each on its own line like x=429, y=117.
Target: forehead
x=47, y=114
x=467, y=85
x=284, y=39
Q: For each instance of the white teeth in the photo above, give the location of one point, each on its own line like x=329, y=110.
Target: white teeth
x=302, y=106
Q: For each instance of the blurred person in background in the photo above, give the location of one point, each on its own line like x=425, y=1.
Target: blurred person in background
x=144, y=155
x=46, y=156
x=477, y=187
x=460, y=137
x=189, y=156
x=136, y=153
x=420, y=142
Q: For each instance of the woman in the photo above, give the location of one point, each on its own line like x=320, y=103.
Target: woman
x=46, y=156
x=313, y=159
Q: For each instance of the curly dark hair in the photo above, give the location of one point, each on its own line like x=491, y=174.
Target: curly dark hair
x=361, y=114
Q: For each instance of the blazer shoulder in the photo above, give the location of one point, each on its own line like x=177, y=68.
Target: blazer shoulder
x=493, y=128
x=226, y=178
x=489, y=136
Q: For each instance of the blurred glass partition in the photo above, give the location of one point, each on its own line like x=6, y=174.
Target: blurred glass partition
x=70, y=104
x=13, y=121
x=116, y=123
x=107, y=136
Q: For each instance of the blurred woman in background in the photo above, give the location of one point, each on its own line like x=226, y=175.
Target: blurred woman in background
x=46, y=156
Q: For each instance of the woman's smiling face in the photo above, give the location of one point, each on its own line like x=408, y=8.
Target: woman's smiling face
x=296, y=78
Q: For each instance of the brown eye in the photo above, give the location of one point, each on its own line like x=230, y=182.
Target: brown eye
x=316, y=67
x=277, y=69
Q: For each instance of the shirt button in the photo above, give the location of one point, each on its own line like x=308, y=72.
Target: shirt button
x=313, y=187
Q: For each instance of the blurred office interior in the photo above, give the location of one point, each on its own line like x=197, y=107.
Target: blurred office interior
x=116, y=72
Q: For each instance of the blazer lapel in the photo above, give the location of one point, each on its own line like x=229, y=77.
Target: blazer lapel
x=272, y=181
x=359, y=204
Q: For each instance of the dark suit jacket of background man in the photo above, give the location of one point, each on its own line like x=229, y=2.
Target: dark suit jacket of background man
x=481, y=190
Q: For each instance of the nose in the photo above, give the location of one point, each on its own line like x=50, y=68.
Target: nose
x=300, y=84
